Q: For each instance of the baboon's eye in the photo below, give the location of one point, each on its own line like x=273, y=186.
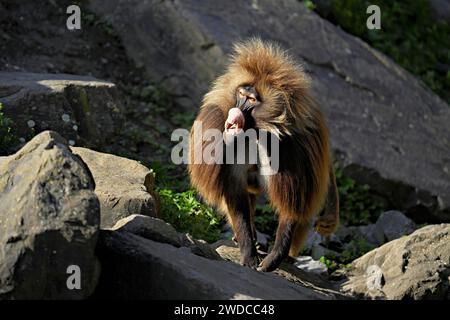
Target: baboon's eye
x=252, y=100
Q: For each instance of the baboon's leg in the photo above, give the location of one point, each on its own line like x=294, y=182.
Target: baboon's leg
x=328, y=221
x=300, y=234
x=252, y=199
x=238, y=207
x=280, y=250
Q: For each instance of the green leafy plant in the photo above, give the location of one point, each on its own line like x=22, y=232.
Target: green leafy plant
x=409, y=35
x=331, y=264
x=357, y=207
x=309, y=4
x=184, y=120
x=7, y=138
x=89, y=18
x=354, y=250
x=266, y=220
x=187, y=214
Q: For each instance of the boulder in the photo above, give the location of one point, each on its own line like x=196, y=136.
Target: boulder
x=123, y=186
x=440, y=9
x=369, y=233
x=387, y=129
x=263, y=240
x=137, y=268
x=49, y=221
x=313, y=239
x=389, y=226
x=83, y=110
x=160, y=231
x=412, y=267
x=392, y=225
x=319, y=251
x=199, y=247
x=149, y=228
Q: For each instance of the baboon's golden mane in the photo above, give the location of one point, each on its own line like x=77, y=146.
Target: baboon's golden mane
x=279, y=80
x=267, y=62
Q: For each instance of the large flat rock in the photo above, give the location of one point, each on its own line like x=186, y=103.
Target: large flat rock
x=387, y=128
x=137, y=268
x=124, y=187
x=84, y=110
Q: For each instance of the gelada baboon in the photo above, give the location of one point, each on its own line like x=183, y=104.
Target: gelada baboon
x=264, y=89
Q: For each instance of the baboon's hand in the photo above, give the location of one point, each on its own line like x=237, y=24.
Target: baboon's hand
x=270, y=263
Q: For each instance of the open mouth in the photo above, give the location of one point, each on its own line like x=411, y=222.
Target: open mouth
x=235, y=122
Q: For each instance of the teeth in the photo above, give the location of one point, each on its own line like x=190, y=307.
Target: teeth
x=229, y=126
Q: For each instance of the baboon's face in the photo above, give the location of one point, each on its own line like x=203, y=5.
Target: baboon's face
x=240, y=117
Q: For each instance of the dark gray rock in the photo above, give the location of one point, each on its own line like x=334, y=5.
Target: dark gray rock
x=319, y=251
x=313, y=239
x=158, y=230
x=440, y=9
x=124, y=187
x=227, y=232
x=389, y=226
x=263, y=240
x=49, y=220
x=225, y=243
x=387, y=129
x=369, y=233
x=149, y=228
x=392, y=225
x=138, y=268
x=83, y=110
x=412, y=267
x=199, y=247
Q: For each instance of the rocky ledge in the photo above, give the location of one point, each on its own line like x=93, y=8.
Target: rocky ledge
x=51, y=206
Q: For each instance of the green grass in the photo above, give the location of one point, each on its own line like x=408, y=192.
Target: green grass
x=7, y=137
x=187, y=214
x=409, y=35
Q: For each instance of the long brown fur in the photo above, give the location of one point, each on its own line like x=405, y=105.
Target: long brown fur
x=299, y=189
